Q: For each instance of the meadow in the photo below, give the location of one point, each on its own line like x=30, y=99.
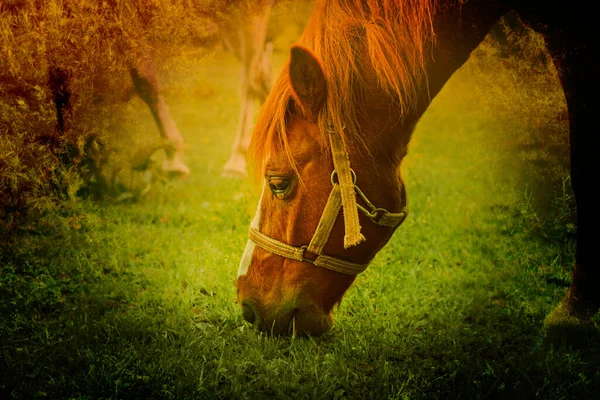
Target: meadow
x=135, y=298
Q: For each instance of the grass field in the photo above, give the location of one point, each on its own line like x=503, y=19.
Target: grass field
x=137, y=299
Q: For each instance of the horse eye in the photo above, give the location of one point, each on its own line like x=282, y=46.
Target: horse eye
x=279, y=185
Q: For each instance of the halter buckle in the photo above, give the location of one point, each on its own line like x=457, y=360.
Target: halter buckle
x=312, y=256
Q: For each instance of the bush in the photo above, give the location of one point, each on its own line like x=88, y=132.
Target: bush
x=84, y=48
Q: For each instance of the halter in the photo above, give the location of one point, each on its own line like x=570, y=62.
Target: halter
x=343, y=196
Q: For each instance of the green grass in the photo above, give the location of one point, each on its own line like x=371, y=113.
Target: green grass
x=137, y=300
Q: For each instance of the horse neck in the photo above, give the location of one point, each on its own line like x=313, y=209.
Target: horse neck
x=459, y=29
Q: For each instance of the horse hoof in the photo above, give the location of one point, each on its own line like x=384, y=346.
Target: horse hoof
x=234, y=173
x=176, y=169
x=563, y=328
x=235, y=167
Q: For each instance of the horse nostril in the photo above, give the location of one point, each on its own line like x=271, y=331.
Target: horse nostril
x=248, y=311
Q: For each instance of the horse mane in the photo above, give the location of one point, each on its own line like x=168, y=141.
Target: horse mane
x=391, y=37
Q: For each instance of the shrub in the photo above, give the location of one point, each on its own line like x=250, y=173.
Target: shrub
x=84, y=48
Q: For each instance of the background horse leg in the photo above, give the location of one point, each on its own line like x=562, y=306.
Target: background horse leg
x=236, y=165
x=58, y=80
x=147, y=86
x=255, y=81
x=576, y=54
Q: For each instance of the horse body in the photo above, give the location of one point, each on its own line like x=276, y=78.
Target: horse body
x=362, y=75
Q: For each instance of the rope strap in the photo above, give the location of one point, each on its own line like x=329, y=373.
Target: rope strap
x=341, y=164
x=275, y=246
x=330, y=213
x=298, y=254
x=339, y=265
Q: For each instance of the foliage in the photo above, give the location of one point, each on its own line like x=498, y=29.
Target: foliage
x=87, y=46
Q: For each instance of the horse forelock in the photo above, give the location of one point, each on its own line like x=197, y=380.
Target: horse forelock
x=390, y=37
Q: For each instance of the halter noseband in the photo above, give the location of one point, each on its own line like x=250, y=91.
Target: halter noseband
x=343, y=196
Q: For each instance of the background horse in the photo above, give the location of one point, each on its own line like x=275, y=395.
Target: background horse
x=332, y=135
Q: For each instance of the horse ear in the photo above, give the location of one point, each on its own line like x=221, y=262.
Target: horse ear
x=308, y=81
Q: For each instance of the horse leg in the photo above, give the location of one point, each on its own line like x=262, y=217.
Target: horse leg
x=236, y=165
x=255, y=86
x=148, y=88
x=262, y=76
x=255, y=58
x=580, y=69
x=58, y=80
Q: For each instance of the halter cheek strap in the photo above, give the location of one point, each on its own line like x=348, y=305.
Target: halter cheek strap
x=339, y=198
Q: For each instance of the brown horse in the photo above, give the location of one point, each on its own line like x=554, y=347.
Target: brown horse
x=332, y=135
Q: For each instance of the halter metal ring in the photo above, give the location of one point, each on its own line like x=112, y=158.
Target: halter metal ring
x=334, y=174
x=308, y=259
